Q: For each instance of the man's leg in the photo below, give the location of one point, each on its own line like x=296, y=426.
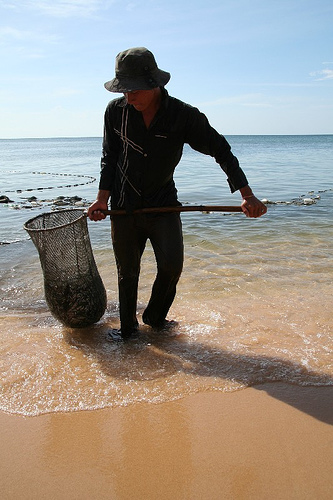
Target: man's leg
x=165, y=234
x=128, y=245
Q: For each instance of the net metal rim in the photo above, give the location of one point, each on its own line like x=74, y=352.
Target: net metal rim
x=45, y=229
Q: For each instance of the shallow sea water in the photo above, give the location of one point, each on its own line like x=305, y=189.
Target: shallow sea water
x=253, y=305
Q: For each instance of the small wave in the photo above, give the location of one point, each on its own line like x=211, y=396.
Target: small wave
x=51, y=369
x=310, y=198
x=10, y=242
x=54, y=204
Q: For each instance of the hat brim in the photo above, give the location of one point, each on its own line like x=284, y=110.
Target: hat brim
x=157, y=78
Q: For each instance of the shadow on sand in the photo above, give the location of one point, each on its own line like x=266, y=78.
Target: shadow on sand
x=155, y=355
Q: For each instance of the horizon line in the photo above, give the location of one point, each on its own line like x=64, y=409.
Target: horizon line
x=101, y=137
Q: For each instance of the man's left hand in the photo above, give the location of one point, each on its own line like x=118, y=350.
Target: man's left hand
x=252, y=207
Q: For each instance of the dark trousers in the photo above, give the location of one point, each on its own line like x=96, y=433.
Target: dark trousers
x=129, y=236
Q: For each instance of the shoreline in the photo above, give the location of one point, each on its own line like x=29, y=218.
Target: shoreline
x=269, y=441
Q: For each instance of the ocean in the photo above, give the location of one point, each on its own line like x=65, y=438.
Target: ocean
x=254, y=303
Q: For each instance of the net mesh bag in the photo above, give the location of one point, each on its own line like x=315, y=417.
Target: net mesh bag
x=73, y=288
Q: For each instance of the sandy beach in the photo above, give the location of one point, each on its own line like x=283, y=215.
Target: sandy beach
x=270, y=441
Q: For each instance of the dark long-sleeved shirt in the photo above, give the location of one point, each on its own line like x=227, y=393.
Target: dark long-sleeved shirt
x=138, y=164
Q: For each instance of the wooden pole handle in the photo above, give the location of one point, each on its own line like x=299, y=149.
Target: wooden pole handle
x=179, y=208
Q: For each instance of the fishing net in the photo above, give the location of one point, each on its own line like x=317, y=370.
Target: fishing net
x=73, y=288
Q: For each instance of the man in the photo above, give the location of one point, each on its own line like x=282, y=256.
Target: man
x=144, y=134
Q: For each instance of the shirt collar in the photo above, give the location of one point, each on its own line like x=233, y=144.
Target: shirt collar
x=164, y=102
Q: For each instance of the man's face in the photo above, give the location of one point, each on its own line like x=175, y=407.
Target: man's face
x=141, y=99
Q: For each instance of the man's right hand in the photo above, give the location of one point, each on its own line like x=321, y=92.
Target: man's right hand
x=94, y=211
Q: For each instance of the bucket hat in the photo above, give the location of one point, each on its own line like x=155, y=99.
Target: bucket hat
x=136, y=69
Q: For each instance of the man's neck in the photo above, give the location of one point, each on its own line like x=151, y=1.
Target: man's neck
x=150, y=113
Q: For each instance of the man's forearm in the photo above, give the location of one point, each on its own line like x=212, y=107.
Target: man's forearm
x=103, y=195
x=246, y=192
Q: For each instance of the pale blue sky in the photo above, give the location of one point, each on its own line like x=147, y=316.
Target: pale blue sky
x=253, y=66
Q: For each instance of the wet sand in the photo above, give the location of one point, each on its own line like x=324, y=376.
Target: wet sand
x=271, y=441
